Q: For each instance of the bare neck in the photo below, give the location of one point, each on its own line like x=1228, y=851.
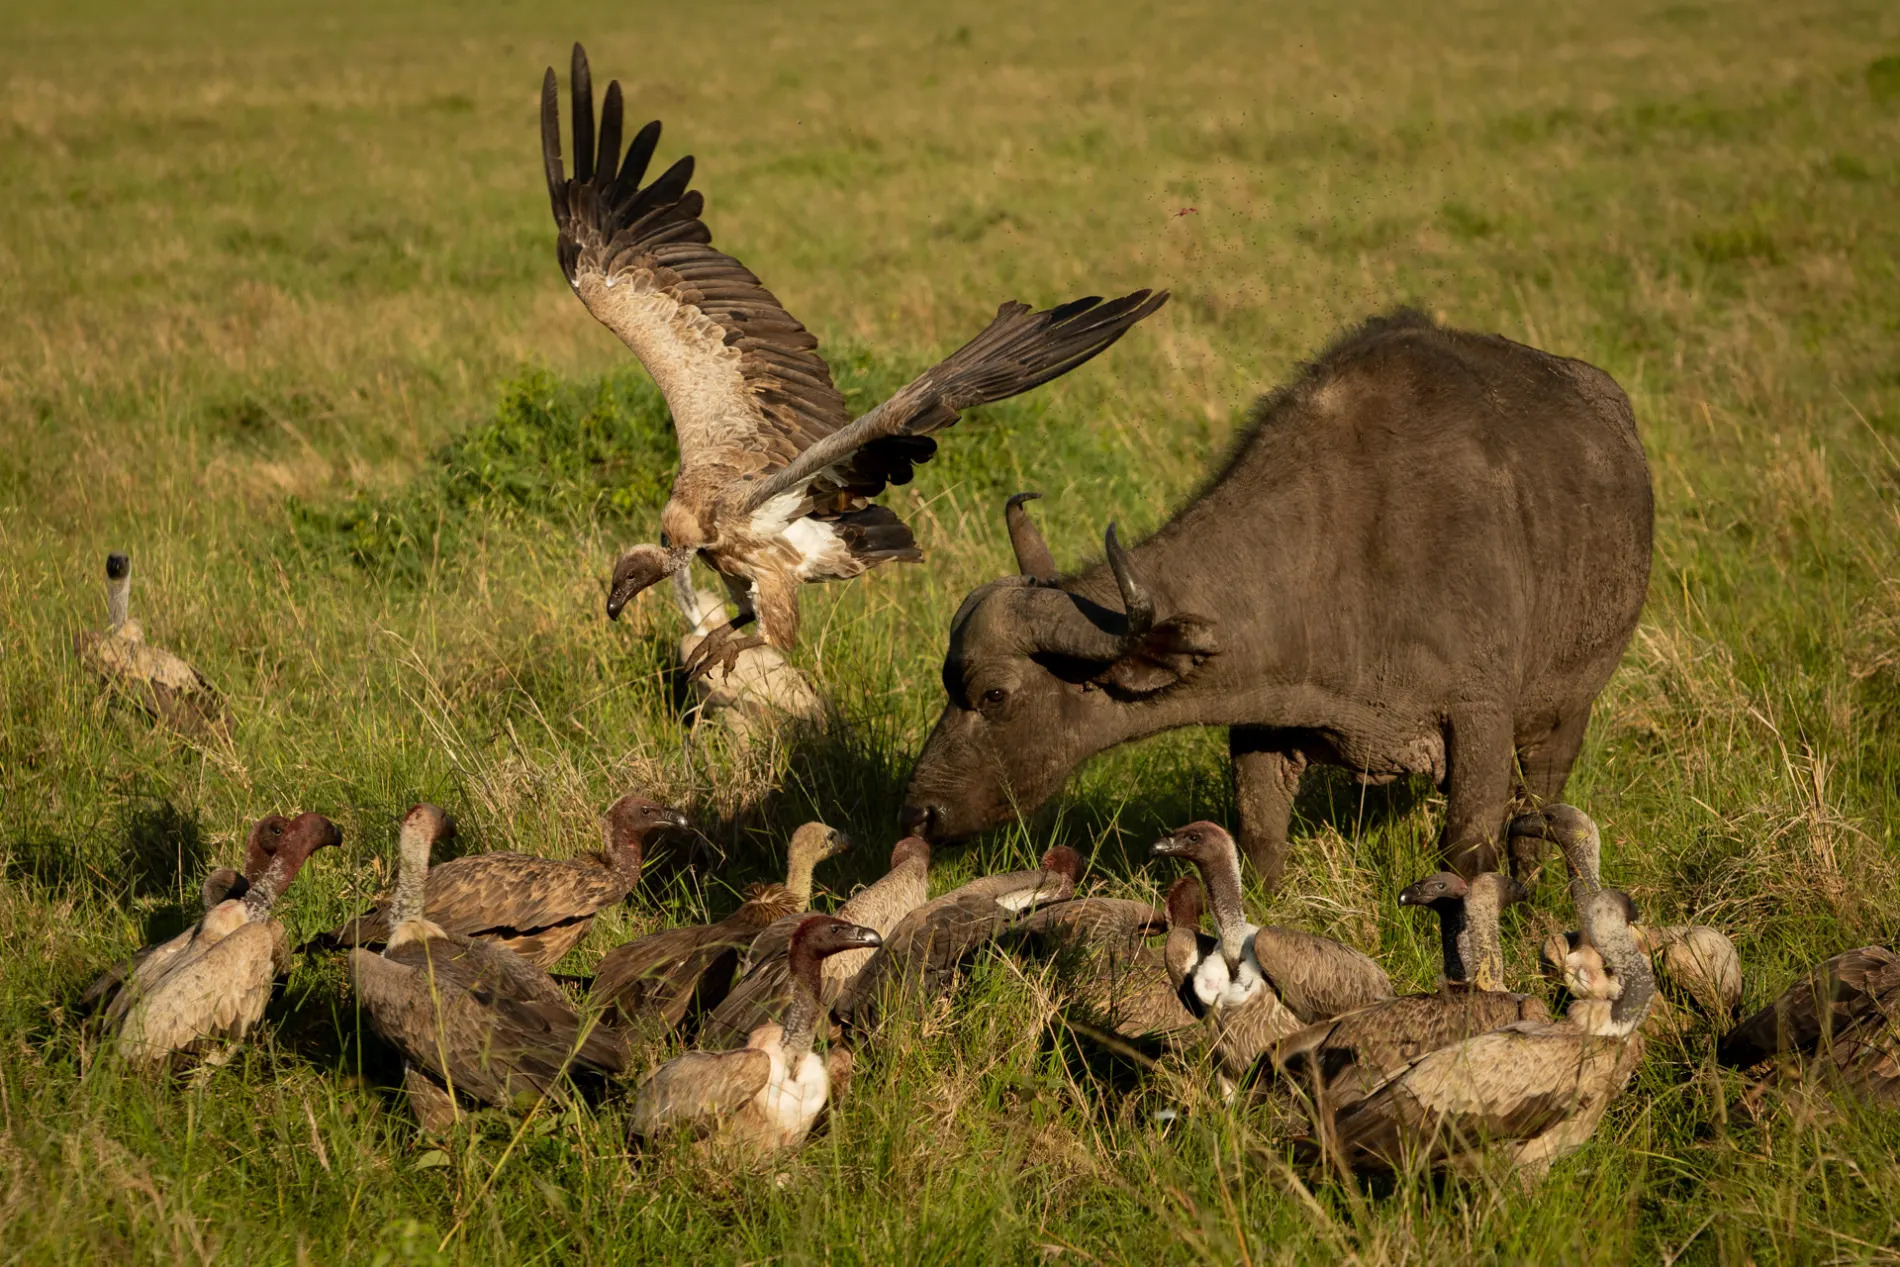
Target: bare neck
x=118, y=601
x=798, y=873
x=1221, y=876
x=412, y=875
x=801, y=1017
x=1452, y=921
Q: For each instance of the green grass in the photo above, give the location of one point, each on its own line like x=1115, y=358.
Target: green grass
x=279, y=314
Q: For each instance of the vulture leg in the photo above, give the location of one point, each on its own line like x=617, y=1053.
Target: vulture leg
x=717, y=647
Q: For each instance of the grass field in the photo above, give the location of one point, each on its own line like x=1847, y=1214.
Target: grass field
x=279, y=314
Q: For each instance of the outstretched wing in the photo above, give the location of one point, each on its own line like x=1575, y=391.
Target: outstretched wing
x=1019, y=350
x=741, y=375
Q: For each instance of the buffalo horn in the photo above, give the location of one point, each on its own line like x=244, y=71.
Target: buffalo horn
x=1136, y=601
x=1032, y=552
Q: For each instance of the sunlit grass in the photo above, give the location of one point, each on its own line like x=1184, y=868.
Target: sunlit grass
x=279, y=314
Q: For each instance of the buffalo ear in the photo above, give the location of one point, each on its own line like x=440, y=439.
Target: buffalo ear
x=1162, y=657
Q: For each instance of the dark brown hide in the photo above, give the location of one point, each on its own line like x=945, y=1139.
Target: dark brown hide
x=1425, y=557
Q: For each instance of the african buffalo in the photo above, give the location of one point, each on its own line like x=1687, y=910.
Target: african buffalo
x=1425, y=556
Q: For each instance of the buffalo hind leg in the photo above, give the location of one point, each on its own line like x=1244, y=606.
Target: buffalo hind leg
x=1266, y=777
x=1480, y=761
x=1543, y=769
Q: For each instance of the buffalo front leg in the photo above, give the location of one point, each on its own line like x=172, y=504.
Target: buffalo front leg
x=1266, y=777
x=1480, y=765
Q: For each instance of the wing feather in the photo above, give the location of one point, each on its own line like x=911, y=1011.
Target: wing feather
x=699, y=1089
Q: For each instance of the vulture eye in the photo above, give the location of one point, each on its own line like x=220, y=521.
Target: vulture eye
x=276, y=829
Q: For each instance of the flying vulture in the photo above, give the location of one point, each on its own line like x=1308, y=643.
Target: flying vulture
x=776, y=480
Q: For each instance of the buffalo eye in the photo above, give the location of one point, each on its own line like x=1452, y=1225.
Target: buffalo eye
x=994, y=697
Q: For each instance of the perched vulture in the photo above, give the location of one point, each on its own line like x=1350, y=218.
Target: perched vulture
x=767, y=987
x=220, y=884
x=765, y=1096
x=1695, y=963
x=1219, y=978
x=1535, y=1090
x=152, y=677
x=675, y=971
x=210, y=983
x=776, y=479
x=467, y=1016
x=928, y=946
x=1341, y=1059
x=537, y=907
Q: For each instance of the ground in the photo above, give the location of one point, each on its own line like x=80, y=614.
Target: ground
x=282, y=318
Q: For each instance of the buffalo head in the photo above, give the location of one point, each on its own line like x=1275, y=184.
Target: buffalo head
x=1039, y=678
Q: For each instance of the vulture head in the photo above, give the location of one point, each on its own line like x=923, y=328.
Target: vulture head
x=639, y=568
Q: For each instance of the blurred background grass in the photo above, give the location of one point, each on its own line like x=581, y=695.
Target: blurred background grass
x=279, y=315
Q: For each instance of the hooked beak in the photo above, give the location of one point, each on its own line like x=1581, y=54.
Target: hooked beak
x=1533, y=825
x=673, y=818
x=858, y=935
x=840, y=843
x=620, y=598
x=1410, y=896
x=1168, y=847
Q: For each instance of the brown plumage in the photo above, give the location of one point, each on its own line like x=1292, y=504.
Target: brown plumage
x=151, y=677
x=221, y=884
x=474, y=1016
x=1693, y=963
x=930, y=944
x=1535, y=1090
x=537, y=907
x=765, y=1096
x=1112, y=982
x=767, y=988
x=689, y=969
x=1340, y=1059
x=1219, y=977
x=211, y=983
x=1854, y=992
x=776, y=480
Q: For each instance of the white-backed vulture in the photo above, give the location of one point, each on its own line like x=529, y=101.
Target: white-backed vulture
x=767, y=988
x=154, y=679
x=764, y=1096
x=1841, y=1020
x=540, y=908
x=1342, y=1058
x=471, y=1015
x=923, y=952
x=1534, y=1090
x=210, y=984
x=776, y=480
x=677, y=971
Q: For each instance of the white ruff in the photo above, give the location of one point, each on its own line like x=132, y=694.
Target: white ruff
x=792, y=1100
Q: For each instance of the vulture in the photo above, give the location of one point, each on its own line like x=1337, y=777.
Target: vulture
x=670, y=973
x=1218, y=977
x=1695, y=963
x=927, y=947
x=776, y=481
x=156, y=680
x=763, y=1097
x=767, y=987
x=221, y=884
x=1534, y=1089
x=1344, y=1057
x=467, y=1015
x=1842, y=1019
x=210, y=983
x=1259, y=984
x=1116, y=987
x=537, y=907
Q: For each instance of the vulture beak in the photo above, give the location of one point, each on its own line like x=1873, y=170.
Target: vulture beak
x=1168, y=847
x=673, y=818
x=858, y=935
